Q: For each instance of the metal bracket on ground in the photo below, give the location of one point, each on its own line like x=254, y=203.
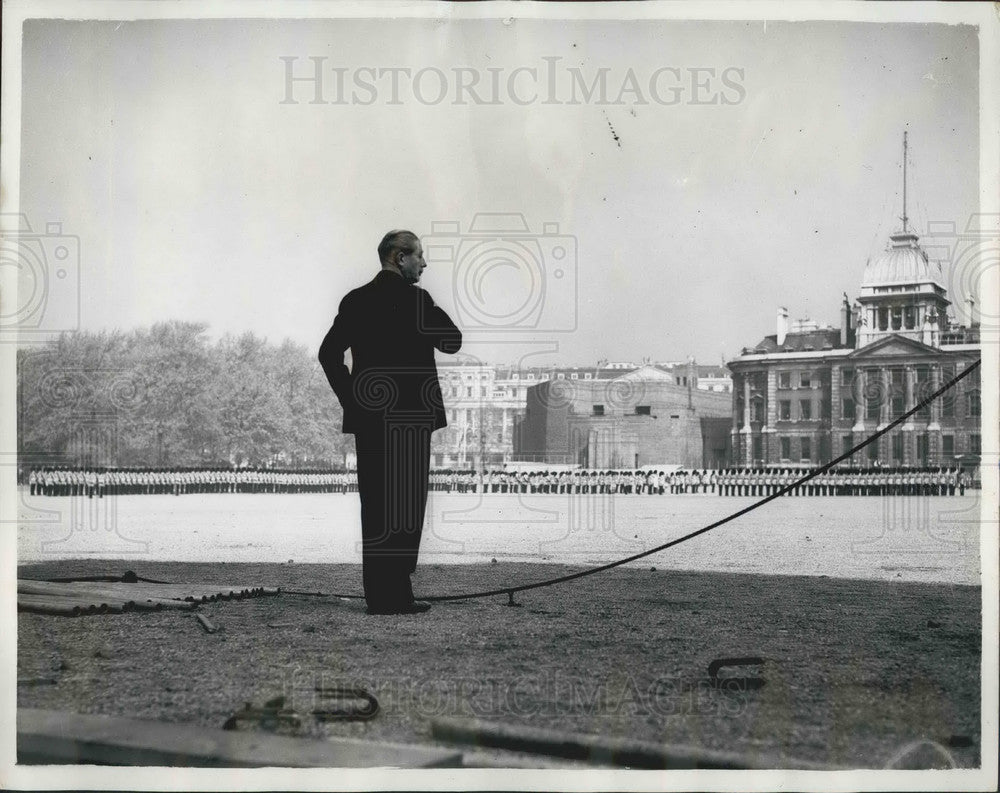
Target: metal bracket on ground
x=344, y=693
x=735, y=683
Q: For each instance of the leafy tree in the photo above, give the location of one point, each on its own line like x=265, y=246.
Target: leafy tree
x=166, y=395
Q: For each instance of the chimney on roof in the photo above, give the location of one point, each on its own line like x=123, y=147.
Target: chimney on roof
x=970, y=301
x=692, y=374
x=845, y=321
x=782, y=324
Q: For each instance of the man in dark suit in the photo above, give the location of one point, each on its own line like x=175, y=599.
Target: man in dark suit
x=392, y=403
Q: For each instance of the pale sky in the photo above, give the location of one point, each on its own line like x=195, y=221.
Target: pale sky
x=196, y=194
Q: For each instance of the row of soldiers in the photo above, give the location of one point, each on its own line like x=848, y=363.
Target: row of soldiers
x=877, y=481
x=723, y=482
x=63, y=481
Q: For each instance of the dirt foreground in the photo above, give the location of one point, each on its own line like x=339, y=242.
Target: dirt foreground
x=853, y=669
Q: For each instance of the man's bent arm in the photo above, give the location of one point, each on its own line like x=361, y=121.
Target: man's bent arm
x=331, y=358
x=437, y=325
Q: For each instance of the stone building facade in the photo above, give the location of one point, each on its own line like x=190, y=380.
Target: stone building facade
x=644, y=417
x=486, y=403
x=806, y=394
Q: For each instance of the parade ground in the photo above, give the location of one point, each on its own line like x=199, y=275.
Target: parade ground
x=904, y=538
x=865, y=613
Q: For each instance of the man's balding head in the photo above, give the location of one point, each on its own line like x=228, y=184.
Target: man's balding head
x=400, y=252
x=394, y=243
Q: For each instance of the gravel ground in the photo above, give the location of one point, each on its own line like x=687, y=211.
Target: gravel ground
x=853, y=669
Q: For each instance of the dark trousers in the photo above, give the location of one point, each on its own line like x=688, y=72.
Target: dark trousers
x=393, y=473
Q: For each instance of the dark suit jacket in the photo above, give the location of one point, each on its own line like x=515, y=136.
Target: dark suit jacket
x=392, y=329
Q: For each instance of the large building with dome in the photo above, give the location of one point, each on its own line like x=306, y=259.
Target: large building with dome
x=807, y=394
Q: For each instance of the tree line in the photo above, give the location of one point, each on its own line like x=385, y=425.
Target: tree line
x=169, y=396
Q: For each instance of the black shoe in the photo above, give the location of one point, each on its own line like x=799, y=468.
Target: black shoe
x=414, y=607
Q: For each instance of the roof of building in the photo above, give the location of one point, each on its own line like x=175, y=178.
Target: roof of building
x=659, y=370
x=648, y=372
x=713, y=371
x=903, y=262
x=822, y=339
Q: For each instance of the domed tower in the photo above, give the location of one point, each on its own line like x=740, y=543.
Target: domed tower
x=902, y=291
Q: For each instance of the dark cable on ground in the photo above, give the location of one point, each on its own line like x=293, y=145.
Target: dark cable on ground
x=511, y=590
x=691, y=535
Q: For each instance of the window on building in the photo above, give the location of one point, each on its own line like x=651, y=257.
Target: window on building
x=806, y=450
x=598, y=410
x=873, y=407
x=824, y=408
x=805, y=409
x=948, y=404
x=758, y=449
x=847, y=377
x=973, y=407
x=805, y=380
x=531, y=376
x=847, y=409
x=872, y=452
x=883, y=318
x=947, y=446
x=786, y=448
x=897, y=447
x=468, y=391
x=909, y=317
x=515, y=377
x=922, y=448
x=574, y=376
x=482, y=391
x=588, y=376
x=823, y=454
x=785, y=409
x=925, y=411
x=896, y=378
x=975, y=443
x=643, y=410
x=897, y=318
x=560, y=376
x=846, y=443
x=897, y=407
x=784, y=379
